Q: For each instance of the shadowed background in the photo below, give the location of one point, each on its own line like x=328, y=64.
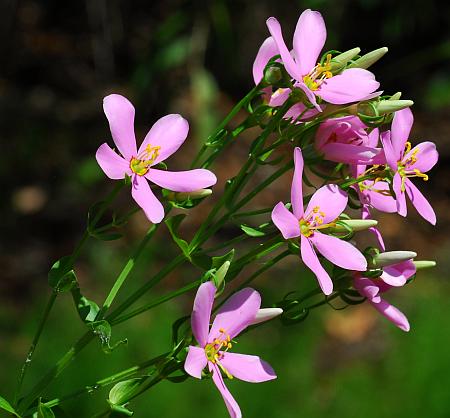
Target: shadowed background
x=194, y=58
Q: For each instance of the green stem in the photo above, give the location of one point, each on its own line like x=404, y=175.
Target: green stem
x=125, y=272
x=34, y=343
x=227, y=119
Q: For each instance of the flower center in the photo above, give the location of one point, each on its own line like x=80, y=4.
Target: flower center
x=213, y=350
x=318, y=74
x=140, y=164
x=313, y=221
x=404, y=166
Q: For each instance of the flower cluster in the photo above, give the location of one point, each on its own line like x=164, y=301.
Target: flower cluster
x=366, y=136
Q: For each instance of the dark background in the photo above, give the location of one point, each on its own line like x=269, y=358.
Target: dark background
x=59, y=59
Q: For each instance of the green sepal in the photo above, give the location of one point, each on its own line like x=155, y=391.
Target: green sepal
x=255, y=231
x=217, y=261
x=173, y=224
x=61, y=276
x=121, y=393
x=102, y=329
x=43, y=411
x=120, y=411
x=87, y=309
x=6, y=406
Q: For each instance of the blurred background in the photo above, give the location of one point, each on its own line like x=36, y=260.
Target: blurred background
x=59, y=59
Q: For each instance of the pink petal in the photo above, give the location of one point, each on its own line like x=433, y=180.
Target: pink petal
x=391, y=156
x=427, y=156
x=231, y=404
x=373, y=138
x=350, y=86
x=236, y=314
x=267, y=51
x=113, y=165
x=367, y=288
x=195, y=362
x=399, y=195
x=182, y=181
x=279, y=97
x=285, y=221
x=365, y=214
x=310, y=95
x=420, y=202
x=300, y=109
x=398, y=274
x=380, y=201
x=169, y=133
x=339, y=252
x=352, y=154
x=120, y=114
x=201, y=312
x=248, y=368
x=297, y=186
x=310, y=259
x=309, y=38
x=400, y=130
x=393, y=314
x=286, y=57
x=330, y=199
x=144, y=197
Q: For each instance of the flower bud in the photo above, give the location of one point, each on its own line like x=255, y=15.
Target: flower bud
x=424, y=264
x=391, y=106
x=182, y=196
x=396, y=96
x=376, y=109
x=340, y=61
x=354, y=224
x=369, y=59
x=391, y=257
x=219, y=277
x=266, y=314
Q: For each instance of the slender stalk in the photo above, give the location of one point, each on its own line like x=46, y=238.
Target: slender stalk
x=125, y=272
x=34, y=343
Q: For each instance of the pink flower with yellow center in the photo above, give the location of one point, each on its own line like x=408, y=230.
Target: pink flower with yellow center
x=215, y=343
x=163, y=139
x=323, y=209
x=407, y=162
x=311, y=76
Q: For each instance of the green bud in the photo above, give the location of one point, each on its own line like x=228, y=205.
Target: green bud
x=354, y=224
x=369, y=59
x=391, y=257
x=391, y=106
x=424, y=264
x=266, y=314
x=273, y=75
x=219, y=277
x=340, y=61
x=121, y=393
x=182, y=196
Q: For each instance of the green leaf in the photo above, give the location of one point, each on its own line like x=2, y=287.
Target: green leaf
x=217, y=262
x=103, y=330
x=173, y=224
x=87, y=309
x=122, y=391
x=252, y=232
x=6, y=406
x=44, y=411
x=61, y=276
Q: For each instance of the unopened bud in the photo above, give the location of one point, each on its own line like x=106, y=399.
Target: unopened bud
x=219, y=277
x=369, y=59
x=266, y=314
x=196, y=194
x=354, y=224
x=340, y=61
x=424, y=264
x=273, y=75
x=391, y=257
x=391, y=106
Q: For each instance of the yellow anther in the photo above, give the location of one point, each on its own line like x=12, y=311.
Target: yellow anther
x=222, y=330
x=316, y=209
x=420, y=174
x=229, y=345
x=407, y=147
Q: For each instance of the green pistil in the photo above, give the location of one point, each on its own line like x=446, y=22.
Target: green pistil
x=139, y=167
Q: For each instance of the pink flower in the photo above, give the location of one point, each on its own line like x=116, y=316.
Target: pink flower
x=235, y=315
x=314, y=78
x=163, y=139
x=345, y=140
x=395, y=275
x=407, y=163
x=323, y=209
